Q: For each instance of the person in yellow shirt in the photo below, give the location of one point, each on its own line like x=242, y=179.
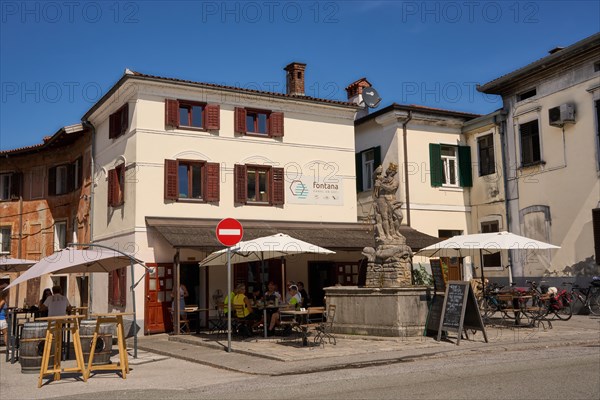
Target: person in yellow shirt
x=244, y=311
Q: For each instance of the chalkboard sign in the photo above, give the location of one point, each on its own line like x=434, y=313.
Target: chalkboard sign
x=438, y=275
x=460, y=310
x=434, y=315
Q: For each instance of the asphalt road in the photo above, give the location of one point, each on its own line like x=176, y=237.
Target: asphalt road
x=556, y=373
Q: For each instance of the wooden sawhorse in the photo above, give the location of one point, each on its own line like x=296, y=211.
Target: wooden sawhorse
x=123, y=356
x=54, y=335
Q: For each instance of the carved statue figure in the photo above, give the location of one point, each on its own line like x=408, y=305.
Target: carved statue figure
x=388, y=212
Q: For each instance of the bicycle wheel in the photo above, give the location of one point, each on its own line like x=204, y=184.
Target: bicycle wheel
x=565, y=312
x=488, y=308
x=594, y=302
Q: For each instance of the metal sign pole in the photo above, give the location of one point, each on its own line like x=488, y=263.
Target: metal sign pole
x=229, y=299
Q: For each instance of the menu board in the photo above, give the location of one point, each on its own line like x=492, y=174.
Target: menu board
x=438, y=274
x=459, y=301
x=434, y=315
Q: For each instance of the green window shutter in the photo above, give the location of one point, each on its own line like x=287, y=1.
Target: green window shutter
x=359, y=177
x=376, y=157
x=435, y=161
x=465, y=177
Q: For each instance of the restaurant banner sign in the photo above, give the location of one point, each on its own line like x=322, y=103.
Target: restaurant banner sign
x=319, y=190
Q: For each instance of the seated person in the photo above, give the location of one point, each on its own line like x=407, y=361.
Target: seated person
x=243, y=307
x=303, y=294
x=226, y=303
x=294, y=302
x=43, y=311
x=57, y=304
x=255, y=296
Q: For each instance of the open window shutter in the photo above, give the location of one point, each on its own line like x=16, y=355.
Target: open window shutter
x=172, y=113
x=16, y=180
x=70, y=177
x=359, y=171
x=124, y=119
x=171, y=187
x=596, y=230
x=52, y=181
x=376, y=157
x=213, y=117
x=240, y=120
x=112, y=177
x=120, y=185
x=465, y=175
x=278, y=192
x=435, y=161
x=112, y=125
x=122, y=287
x=276, y=124
x=212, y=185
x=241, y=186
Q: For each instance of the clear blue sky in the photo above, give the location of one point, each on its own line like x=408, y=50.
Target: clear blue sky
x=58, y=58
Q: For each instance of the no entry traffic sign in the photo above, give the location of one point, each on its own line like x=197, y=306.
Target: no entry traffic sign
x=229, y=231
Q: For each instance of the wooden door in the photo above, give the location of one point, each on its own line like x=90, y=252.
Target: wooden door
x=159, y=286
x=454, y=268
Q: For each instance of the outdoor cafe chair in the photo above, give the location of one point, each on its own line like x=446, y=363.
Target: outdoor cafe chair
x=184, y=323
x=325, y=329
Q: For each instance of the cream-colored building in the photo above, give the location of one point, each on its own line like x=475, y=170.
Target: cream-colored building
x=174, y=157
x=434, y=161
x=552, y=153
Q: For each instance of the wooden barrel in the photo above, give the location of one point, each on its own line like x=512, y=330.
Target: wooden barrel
x=103, y=343
x=31, y=347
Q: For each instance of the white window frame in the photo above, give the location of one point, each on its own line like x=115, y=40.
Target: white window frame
x=498, y=220
x=57, y=239
x=62, y=179
x=446, y=166
x=5, y=180
x=368, y=169
x=4, y=229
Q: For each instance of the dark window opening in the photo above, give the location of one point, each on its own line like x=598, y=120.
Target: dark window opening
x=258, y=187
x=448, y=233
x=494, y=259
x=257, y=122
x=485, y=147
x=191, y=115
x=189, y=175
x=526, y=95
x=530, y=143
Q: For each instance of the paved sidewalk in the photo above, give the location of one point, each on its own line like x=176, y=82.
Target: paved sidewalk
x=283, y=356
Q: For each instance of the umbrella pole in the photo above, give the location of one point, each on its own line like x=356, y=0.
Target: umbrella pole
x=135, y=337
x=229, y=299
x=482, y=277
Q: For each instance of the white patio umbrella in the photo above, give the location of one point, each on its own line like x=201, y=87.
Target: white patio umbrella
x=486, y=243
x=71, y=260
x=260, y=249
x=264, y=248
x=8, y=264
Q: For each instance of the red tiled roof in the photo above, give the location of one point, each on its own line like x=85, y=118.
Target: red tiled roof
x=218, y=86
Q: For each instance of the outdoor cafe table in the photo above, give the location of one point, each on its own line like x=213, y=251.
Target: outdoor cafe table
x=54, y=336
x=123, y=356
x=264, y=308
x=304, y=321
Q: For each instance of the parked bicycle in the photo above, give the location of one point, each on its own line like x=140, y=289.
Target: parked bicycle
x=588, y=297
x=549, y=304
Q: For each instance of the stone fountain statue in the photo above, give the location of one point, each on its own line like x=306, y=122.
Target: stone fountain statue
x=389, y=264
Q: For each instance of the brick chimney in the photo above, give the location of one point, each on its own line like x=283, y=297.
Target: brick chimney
x=295, y=78
x=355, y=89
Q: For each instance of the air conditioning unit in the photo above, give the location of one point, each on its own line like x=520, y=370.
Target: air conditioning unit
x=565, y=113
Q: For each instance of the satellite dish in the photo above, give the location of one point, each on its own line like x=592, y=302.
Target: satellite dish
x=371, y=97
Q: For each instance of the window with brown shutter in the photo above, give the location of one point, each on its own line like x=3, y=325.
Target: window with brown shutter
x=116, y=186
x=259, y=185
x=172, y=113
x=16, y=185
x=52, y=181
x=191, y=180
x=118, y=122
x=213, y=117
x=240, y=120
x=117, y=287
x=276, y=124
x=186, y=114
x=278, y=192
x=240, y=187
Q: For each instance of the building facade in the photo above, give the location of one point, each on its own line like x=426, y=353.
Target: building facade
x=45, y=205
x=551, y=147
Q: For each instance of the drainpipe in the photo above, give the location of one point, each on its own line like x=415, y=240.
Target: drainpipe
x=88, y=124
x=406, y=185
x=501, y=121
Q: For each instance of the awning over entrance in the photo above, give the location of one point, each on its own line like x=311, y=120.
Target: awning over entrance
x=200, y=233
